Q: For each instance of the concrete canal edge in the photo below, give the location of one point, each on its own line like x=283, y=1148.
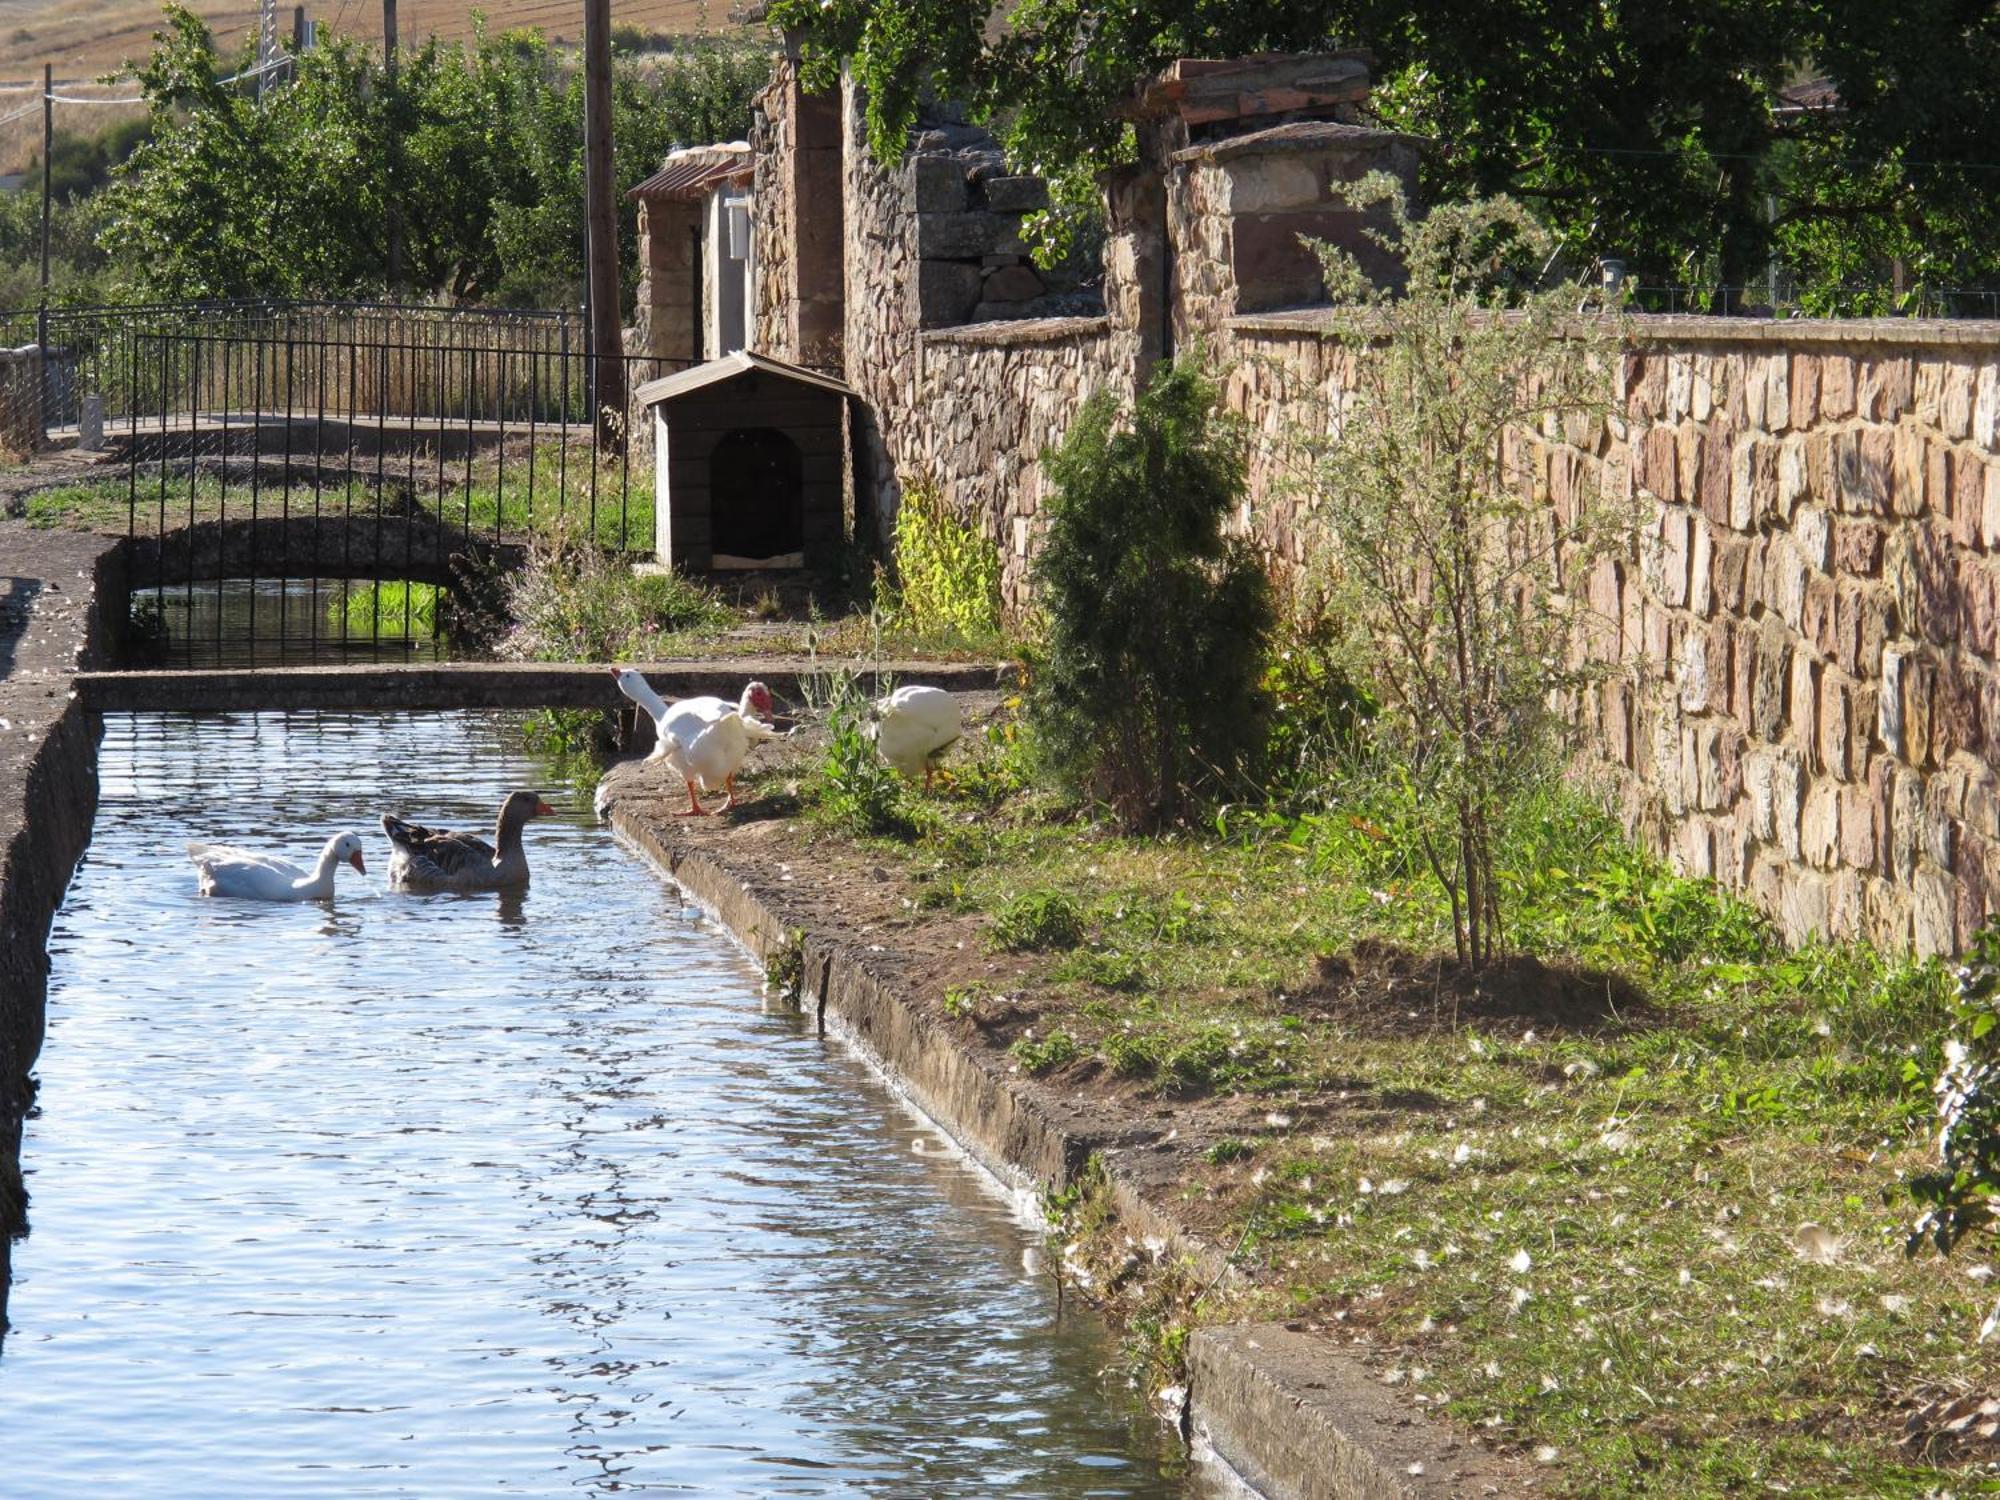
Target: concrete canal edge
x=1292, y=1423
x=1294, y=1417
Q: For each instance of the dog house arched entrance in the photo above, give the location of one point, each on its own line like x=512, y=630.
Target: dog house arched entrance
x=756, y=486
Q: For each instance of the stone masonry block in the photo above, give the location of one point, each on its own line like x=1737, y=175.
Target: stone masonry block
x=1812, y=530
x=1955, y=400
x=1933, y=913
x=937, y=184
x=1819, y=825
x=1802, y=702
x=1016, y=194
x=1889, y=708
x=1805, y=390
x=946, y=292
x=1793, y=482
x=1836, y=386
x=959, y=236
x=1968, y=498
x=1989, y=506
x=1857, y=547
x=1834, y=705
x=1986, y=406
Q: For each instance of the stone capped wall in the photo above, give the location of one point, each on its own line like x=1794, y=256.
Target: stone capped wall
x=1811, y=623
x=968, y=408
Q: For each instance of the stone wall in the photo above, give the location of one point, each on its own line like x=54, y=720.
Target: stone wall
x=967, y=408
x=1810, y=626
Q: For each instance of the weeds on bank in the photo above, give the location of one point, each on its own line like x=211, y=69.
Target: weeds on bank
x=390, y=608
x=571, y=742
x=574, y=602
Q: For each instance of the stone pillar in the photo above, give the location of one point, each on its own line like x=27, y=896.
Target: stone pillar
x=665, y=319
x=1136, y=269
x=1237, y=206
x=818, y=301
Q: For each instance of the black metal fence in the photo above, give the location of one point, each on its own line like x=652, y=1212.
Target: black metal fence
x=304, y=481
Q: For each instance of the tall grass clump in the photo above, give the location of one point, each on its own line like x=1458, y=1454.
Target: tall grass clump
x=947, y=588
x=1459, y=580
x=1146, y=694
x=392, y=607
x=856, y=789
x=575, y=602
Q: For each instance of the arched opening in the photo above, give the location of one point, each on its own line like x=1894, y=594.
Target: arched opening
x=756, y=486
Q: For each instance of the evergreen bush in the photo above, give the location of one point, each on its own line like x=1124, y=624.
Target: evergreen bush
x=1146, y=693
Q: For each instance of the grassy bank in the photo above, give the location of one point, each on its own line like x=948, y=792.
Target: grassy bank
x=1629, y=1201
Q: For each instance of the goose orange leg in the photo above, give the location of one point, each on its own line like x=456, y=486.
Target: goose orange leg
x=694, y=809
x=730, y=782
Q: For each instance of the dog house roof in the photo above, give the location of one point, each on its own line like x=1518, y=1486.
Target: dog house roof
x=743, y=362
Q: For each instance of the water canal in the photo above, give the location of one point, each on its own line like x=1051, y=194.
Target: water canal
x=440, y=1196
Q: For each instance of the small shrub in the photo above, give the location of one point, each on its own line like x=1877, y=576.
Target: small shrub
x=785, y=965
x=575, y=602
x=1038, y=921
x=1961, y=1195
x=1145, y=695
x=1039, y=1055
x=1227, y=1150
x=569, y=739
x=958, y=1002
x=1108, y=968
x=947, y=573
x=857, y=789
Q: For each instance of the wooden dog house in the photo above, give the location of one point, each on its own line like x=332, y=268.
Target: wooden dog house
x=750, y=464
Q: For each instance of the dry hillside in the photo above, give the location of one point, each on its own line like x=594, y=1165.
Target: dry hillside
x=87, y=38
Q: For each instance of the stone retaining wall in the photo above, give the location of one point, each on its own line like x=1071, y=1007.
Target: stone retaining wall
x=1811, y=623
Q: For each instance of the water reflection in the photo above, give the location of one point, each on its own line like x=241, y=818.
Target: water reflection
x=388, y=1197
x=238, y=622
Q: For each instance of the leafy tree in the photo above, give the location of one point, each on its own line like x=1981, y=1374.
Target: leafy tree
x=1146, y=695
x=1457, y=580
x=478, y=149
x=1641, y=132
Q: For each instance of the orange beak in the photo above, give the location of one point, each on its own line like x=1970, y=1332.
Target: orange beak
x=543, y=810
x=355, y=860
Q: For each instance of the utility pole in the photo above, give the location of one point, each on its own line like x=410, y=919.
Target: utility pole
x=48, y=171
x=395, y=225
x=42, y=317
x=601, y=215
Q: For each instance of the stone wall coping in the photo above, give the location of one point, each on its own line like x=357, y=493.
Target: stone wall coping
x=1020, y=331
x=1688, y=328
x=1299, y=135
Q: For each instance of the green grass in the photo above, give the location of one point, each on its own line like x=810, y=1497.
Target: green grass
x=390, y=608
x=1580, y=1221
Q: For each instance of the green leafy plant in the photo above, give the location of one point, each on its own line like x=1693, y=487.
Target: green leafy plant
x=1145, y=694
x=785, y=964
x=856, y=789
x=1041, y=1054
x=1458, y=578
x=947, y=573
x=393, y=607
x=1037, y=921
x=1960, y=1195
x=1227, y=1150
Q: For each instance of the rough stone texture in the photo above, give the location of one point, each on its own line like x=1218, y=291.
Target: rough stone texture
x=1809, y=634
x=1299, y=1422
x=1815, y=602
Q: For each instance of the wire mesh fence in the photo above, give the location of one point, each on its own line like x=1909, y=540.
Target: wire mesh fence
x=310, y=481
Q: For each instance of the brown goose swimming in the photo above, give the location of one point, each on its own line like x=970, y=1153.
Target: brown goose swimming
x=432, y=859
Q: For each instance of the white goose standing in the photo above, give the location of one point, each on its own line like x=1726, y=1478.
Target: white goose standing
x=705, y=740
x=914, y=726
x=227, y=871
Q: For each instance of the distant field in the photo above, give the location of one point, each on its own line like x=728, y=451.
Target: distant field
x=88, y=38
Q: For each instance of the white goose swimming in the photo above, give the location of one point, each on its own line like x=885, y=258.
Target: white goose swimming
x=705, y=740
x=227, y=871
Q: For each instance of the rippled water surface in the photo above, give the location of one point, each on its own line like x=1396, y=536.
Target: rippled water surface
x=445, y=1196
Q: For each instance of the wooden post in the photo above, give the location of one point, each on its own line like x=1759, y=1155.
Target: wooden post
x=395, y=223
x=601, y=215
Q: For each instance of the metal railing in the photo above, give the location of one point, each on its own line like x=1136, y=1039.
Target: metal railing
x=1758, y=301
x=281, y=466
